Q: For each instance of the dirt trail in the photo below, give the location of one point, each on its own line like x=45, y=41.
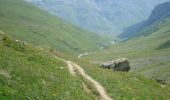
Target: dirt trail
x=98, y=86
x=74, y=67
x=71, y=68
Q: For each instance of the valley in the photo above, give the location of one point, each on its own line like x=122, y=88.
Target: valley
x=100, y=16
x=41, y=28
x=44, y=56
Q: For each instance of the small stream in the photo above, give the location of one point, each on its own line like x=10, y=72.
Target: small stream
x=82, y=54
x=87, y=53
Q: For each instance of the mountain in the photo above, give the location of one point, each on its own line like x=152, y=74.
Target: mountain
x=31, y=42
x=100, y=16
x=82, y=13
x=149, y=56
x=27, y=72
x=159, y=13
x=29, y=23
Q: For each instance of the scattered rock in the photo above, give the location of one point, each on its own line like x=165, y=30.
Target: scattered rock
x=117, y=65
x=160, y=81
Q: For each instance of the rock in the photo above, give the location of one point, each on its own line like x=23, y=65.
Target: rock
x=107, y=64
x=117, y=65
x=161, y=81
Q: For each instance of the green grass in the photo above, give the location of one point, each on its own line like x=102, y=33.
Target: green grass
x=145, y=59
x=30, y=73
x=142, y=52
x=33, y=74
x=164, y=45
x=126, y=86
x=28, y=23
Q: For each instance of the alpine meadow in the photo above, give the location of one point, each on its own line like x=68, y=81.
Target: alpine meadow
x=84, y=50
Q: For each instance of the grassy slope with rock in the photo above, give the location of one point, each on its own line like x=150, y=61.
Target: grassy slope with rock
x=27, y=22
x=149, y=56
x=33, y=74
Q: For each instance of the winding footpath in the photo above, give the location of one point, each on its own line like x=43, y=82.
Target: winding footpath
x=98, y=86
x=73, y=68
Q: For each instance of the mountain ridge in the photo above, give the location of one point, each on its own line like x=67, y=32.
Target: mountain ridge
x=100, y=16
x=159, y=13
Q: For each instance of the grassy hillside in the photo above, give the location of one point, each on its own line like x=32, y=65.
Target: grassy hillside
x=27, y=73
x=26, y=22
x=159, y=13
x=127, y=86
x=149, y=56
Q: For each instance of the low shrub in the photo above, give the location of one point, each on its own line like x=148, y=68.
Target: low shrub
x=17, y=45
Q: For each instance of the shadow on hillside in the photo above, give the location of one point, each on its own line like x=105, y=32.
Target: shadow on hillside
x=164, y=45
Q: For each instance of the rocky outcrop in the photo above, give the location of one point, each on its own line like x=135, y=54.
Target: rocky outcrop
x=117, y=65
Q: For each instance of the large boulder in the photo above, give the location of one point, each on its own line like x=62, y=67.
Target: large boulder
x=117, y=65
